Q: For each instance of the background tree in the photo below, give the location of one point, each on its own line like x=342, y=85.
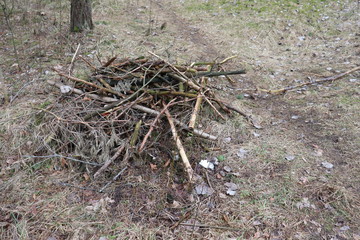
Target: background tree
x=81, y=16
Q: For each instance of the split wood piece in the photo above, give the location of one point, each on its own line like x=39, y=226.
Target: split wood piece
x=109, y=161
x=188, y=168
x=115, y=101
x=195, y=111
x=321, y=80
x=152, y=126
x=88, y=83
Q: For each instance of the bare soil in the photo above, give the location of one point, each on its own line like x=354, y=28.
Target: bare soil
x=286, y=189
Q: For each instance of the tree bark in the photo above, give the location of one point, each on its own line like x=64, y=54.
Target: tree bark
x=80, y=16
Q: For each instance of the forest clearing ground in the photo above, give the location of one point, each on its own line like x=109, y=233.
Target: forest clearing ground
x=286, y=189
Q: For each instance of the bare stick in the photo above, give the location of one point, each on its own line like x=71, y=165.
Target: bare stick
x=152, y=126
x=73, y=59
x=188, y=168
x=321, y=80
x=213, y=107
x=110, y=61
x=196, y=111
x=87, y=62
x=114, y=179
x=210, y=226
x=109, y=161
x=88, y=83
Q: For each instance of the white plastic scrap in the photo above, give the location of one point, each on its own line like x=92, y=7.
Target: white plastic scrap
x=206, y=164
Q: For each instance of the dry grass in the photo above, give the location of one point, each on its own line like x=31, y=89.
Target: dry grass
x=316, y=125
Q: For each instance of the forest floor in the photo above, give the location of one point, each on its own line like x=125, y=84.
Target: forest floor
x=297, y=177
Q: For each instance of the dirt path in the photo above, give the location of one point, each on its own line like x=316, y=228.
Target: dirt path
x=185, y=29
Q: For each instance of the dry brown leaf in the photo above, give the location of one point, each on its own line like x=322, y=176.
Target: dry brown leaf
x=86, y=177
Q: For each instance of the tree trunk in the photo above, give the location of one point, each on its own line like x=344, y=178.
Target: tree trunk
x=80, y=16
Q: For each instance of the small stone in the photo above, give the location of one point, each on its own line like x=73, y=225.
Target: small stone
x=221, y=195
x=241, y=153
x=327, y=165
x=231, y=186
x=222, y=173
x=227, y=140
x=227, y=169
x=257, y=223
x=344, y=228
x=203, y=189
x=302, y=38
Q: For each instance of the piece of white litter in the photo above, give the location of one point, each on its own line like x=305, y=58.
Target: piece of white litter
x=230, y=192
x=290, y=157
x=206, y=164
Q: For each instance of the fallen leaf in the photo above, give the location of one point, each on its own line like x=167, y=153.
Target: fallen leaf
x=64, y=163
x=86, y=177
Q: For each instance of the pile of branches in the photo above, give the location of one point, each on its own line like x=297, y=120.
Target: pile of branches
x=133, y=104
